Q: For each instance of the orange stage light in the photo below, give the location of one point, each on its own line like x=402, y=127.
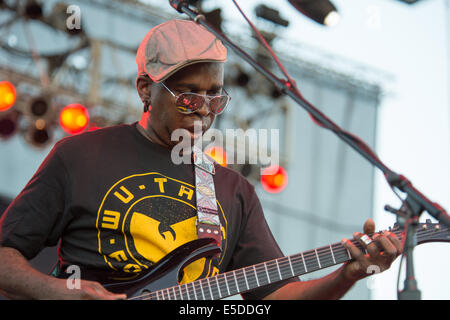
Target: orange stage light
x=218, y=154
x=7, y=95
x=74, y=118
x=274, y=179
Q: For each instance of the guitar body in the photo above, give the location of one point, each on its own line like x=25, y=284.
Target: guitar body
x=166, y=272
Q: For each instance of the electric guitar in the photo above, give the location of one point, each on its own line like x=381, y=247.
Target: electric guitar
x=160, y=282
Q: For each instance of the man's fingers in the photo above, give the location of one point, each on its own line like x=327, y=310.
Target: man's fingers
x=395, y=240
x=391, y=244
x=354, y=251
x=389, y=250
x=369, y=226
x=94, y=290
x=367, y=243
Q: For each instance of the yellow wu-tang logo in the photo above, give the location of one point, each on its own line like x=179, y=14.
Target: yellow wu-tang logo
x=154, y=242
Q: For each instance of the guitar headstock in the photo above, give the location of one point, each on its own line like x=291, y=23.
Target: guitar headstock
x=427, y=232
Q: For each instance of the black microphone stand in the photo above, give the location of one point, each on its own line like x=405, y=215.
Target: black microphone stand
x=415, y=202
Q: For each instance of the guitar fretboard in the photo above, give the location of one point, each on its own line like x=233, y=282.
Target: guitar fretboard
x=248, y=278
x=241, y=280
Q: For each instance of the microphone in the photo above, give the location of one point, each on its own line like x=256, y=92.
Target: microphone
x=321, y=11
x=178, y=4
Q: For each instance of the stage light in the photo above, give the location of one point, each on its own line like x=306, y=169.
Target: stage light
x=39, y=136
x=242, y=79
x=332, y=19
x=7, y=95
x=39, y=107
x=74, y=118
x=274, y=179
x=38, y=133
x=218, y=154
x=272, y=15
x=214, y=18
x=321, y=11
x=33, y=9
x=275, y=93
x=8, y=124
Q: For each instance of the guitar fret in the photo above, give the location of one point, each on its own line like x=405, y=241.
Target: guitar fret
x=297, y=265
x=267, y=273
x=181, y=293
x=218, y=287
x=210, y=291
x=237, y=284
x=332, y=254
x=195, y=293
x=199, y=291
x=246, y=281
x=187, y=291
x=226, y=283
x=251, y=277
x=290, y=264
x=168, y=294
x=201, y=287
x=304, y=264
x=256, y=275
x=340, y=253
x=174, y=294
x=279, y=271
x=242, y=279
x=317, y=256
x=231, y=283
x=285, y=267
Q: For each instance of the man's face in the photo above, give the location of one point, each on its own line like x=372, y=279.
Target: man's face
x=201, y=78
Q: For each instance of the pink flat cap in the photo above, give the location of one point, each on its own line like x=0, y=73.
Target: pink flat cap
x=175, y=44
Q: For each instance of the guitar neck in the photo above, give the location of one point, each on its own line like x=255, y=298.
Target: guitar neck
x=241, y=280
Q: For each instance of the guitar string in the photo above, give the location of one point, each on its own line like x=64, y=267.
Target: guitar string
x=273, y=272
x=183, y=292
x=284, y=262
x=274, y=269
x=218, y=288
x=241, y=279
x=271, y=269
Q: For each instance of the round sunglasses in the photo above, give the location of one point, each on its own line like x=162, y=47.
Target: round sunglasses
x=189, y=102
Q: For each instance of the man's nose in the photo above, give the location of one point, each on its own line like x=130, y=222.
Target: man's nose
x=204, y=109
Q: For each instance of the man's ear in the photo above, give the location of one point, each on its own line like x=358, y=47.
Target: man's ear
x=144, y=88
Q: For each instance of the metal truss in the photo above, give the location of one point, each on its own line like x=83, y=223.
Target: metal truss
x=113, y=97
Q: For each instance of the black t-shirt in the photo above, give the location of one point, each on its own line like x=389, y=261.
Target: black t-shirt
x=118, y=203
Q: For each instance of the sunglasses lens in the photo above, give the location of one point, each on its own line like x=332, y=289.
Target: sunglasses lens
x=218, y=104
x=189, y=102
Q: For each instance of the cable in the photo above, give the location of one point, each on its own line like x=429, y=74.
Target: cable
x=292, y=85
x=267, y=46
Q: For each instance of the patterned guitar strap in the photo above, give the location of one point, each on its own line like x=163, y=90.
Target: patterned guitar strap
x=208, y=223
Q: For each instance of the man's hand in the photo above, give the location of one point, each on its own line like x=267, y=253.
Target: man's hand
x=382, y=250
x=89, y=290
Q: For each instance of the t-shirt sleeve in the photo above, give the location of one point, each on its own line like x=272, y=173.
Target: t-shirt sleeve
x=257, y=244
x=34, y=219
